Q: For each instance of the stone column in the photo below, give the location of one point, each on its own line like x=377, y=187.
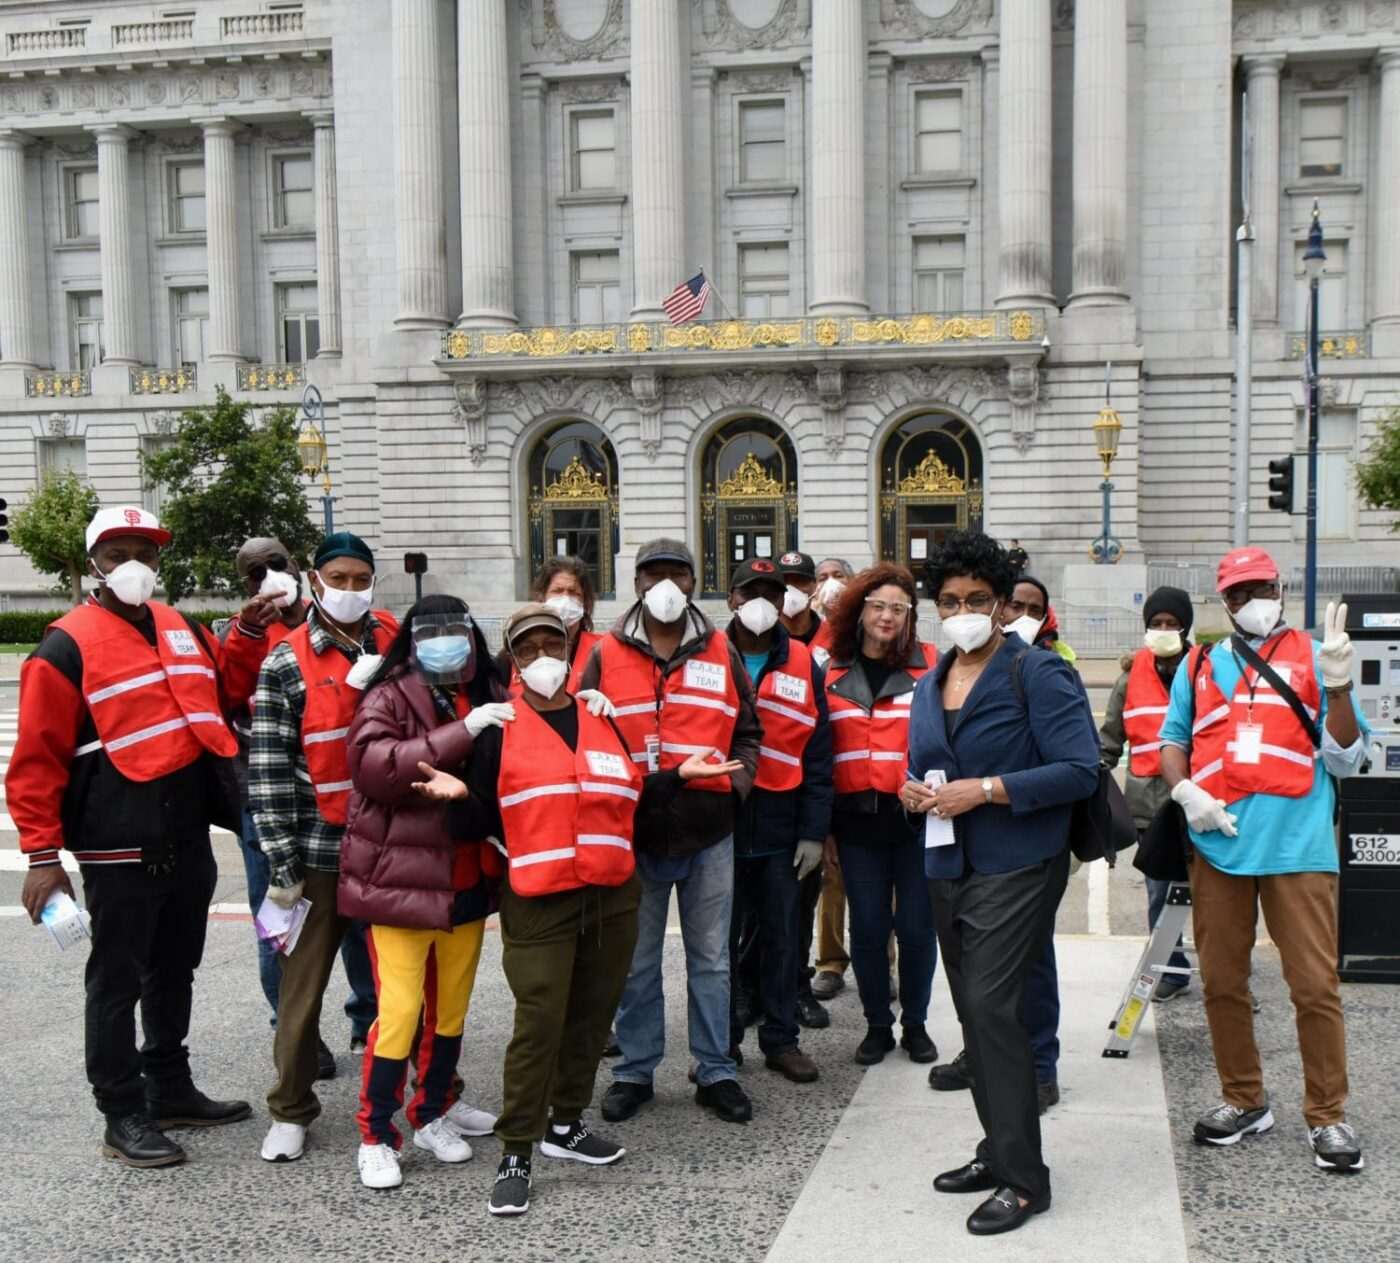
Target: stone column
x=1385, y=239
x=1261, y=82
x=1024, y=151
x=221, y=238
x=1100, y=153
x=114, y=235
x=658, y=156
x=418, y=177
x=838, y=159
x=16, y=301
x=483, y=129
x=327, y=235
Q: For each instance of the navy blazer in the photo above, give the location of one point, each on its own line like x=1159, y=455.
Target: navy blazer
x=1045, y=749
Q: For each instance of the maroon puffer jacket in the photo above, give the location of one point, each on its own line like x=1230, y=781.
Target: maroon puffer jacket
x=397, y=854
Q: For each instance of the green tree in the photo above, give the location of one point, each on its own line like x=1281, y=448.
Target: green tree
x=51, y=528
x=1378, y=476
x=225, y=481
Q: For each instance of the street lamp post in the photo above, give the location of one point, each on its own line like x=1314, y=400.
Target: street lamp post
x=1314, y=258
x=311, y=450
x=1106, y=550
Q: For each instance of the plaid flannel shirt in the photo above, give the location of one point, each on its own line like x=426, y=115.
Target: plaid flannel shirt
x=291, y=831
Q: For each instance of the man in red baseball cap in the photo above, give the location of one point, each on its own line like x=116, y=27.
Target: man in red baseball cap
x=1256, y=728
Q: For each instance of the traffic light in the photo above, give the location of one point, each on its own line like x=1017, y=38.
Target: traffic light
x=1281, y=484
x=4, y=522
x=415, y=563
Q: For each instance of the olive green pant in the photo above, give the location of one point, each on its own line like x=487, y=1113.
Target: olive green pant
x=566, y=958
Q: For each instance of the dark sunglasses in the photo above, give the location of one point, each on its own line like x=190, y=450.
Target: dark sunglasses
x=257, y=572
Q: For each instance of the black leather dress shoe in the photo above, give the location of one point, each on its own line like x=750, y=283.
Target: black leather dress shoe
x=1003, y=1212
x=622, y=1100
x=952, y=1076
x=325, y=1061
x=811, y=1014
x=916, y=1042
x=133, y=1139
x=972, y=1178
x=878, y=1041
x=194, y=1109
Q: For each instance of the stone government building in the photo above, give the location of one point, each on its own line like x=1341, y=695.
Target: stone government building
x=930, y=226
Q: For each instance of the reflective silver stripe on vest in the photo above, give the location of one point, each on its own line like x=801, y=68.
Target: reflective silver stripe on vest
x=331, y=734
x=603, y=839
x=639, y=708
x=1144, y=710
x=156, y=730
x=136, y=682
x=809, y=720
x=603, y=787
x=837, y=716
x=769, y=753
x=1278, y=752
x=87, y=749
x=1146, y=748
x=668, y=748
x=539, y=791
x=190, y=670
x=707, y=703
x=1208, y=771
x=334, y=787
x=542, y=857
x=851, y=755
x=1210, y=717
x=901, y=712
x=1273, y=699
x=887, y=756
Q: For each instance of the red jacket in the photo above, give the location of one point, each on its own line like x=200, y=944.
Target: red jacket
x=870, y=736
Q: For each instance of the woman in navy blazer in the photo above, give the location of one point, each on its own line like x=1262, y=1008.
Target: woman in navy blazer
x=1011, y=762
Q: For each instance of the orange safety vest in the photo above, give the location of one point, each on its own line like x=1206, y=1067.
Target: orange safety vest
x=787, y=708
x=156, y=709
x=690, y=710
x=1144, y=709
x=1287, y=759
x=325, y=716
x=870, y=749
x=566, y=814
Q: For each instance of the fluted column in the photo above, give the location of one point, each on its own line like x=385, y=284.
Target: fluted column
x=327, y=236
x=838, y=158
x=1261, y=82
x=16, y=303
x=1100, y=152
x=658, y=156
x=1023, y=142
x=114, y=236
x=221, y=239
x=483, y=128
x=419, y=200
x=1386, y=237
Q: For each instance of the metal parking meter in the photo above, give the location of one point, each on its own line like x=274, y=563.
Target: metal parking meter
x=1369, y=888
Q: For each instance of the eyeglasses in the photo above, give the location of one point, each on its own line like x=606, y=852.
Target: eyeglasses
x=1034, y=609
x=257, y=572
x=978, y=603
x=1237, y=598
x=526, y=654
x=897, y=609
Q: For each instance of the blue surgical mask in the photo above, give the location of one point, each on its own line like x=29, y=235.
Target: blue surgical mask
x=442, y=655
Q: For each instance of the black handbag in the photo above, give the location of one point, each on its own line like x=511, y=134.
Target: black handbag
x=1164, y=849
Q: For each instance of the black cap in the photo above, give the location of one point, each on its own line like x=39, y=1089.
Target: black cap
x=665, y=550
x=799, y=564
x=1169, y=601
x=343, y=544
x=759, y=568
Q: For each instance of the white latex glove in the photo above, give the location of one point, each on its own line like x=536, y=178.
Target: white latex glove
x=807, y=858
x=286, y=896
x=496, y=714
x=362, y=668
x=1336, y=651
x=1204, y=813
x=597, y=703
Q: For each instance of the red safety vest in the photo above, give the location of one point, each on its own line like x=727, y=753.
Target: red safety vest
x=325, y=717
x=1287, y=758
x=787, y=708
x=566, y=814
x=156, y=710
x=870, y=749
x=693, y=709
x=1144, y=709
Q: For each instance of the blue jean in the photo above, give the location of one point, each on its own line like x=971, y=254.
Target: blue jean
x=878, y=874
x=1040, y=1013
x=704, y=886
x=361, y=1006
x=1156, y=901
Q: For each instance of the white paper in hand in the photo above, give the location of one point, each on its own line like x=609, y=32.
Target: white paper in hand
x=281, y=926
x=67, y=923
x=938, y=831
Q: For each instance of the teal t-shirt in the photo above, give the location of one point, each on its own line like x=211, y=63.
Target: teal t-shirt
x=753, y=664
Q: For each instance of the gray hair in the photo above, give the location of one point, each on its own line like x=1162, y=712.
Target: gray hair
x=846, y=568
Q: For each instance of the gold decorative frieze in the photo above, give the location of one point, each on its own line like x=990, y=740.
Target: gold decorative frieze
x=163, y=381
x=57, y=385
x=732, y=335
x=271, y=376
x=750, y=481
x=924, y=330
x=550, y=342
x=1354, y=344
x=931, y=477
x=575, y=484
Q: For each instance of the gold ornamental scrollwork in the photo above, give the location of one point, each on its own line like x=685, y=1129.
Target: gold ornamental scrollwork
x=456, y=344
x=57, y=385
x=732, y=335
x=924, y=330
x=576, y=485
x=750, y=481
x=931, y=477
x=638, y=339
x=826, y=332
x=1021, y=326
x=549, y=342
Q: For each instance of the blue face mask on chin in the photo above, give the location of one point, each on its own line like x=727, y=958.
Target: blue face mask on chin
x=443, y=655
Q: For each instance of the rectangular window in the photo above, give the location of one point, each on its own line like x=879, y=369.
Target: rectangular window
x=763, y=281
x=1336, y=496
x=80, y=192
x=63, y=456
x=597, y=294
x=939, y=264
x=594, y=151
x=187, y=197
x=1332, y=288
x=85, y=315
x=1322, y=136
x=301, y=327
x=294, y=191
x=938, y=132
x=762, y=142
x=153, y=496
x=191, y=326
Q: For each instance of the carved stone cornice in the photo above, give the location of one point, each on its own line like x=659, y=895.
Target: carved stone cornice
x=1270, y=21
x=720, y=29
x=470, y=393
x=903, y=19
x=552, y=42
x=780, y=80
x=588, y=91
x=708, y=393
x=940, y=70
x=831, y=391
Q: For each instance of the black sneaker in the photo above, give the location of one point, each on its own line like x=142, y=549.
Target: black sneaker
x=727, y=1099
x=622, y=1100
x=916, y=1042
x=1335, y=1147
x=1047, y=1094
x=325, y=1061
x=581, y=1145
x=511, y=1195
x=878, y=1041
x=951, y=1076
x=811, y=1014
x=135, y=1140
x=1226, y=1124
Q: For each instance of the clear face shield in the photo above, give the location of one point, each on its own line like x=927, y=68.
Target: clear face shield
x=443, y=648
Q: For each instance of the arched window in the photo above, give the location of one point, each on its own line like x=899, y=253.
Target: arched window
x=748, y=506
x=573, y=499
x=930, y=485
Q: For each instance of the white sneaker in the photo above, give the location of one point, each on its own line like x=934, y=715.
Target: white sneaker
x=443, y=1141
x=379, y=1167
x=284, y=1142
x=471, y=1121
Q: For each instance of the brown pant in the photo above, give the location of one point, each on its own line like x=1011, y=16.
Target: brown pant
x=832, y=957
x=304, y=976
x=1300, y=910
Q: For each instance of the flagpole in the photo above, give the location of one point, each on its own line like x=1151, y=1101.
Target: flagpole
x=719, y=298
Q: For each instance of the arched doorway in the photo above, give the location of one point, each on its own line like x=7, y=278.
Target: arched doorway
x=931, y=485
x=573, y=499
x=748, y=508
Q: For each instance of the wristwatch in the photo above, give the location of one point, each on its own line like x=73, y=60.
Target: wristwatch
x=987, y=787
x=1336, y=690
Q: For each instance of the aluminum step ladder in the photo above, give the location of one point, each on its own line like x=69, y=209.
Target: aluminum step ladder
x=1150, y=968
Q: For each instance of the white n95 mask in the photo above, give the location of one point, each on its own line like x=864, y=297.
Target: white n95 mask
x=795, y=600
x=969, y=631
x=132, y=583
x=665, y=601
x=545, y=676
x=758, y=614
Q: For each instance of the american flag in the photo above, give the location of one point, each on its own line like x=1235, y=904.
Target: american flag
x=688, y=299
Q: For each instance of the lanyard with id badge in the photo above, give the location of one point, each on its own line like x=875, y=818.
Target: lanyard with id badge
x=1249, y=736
